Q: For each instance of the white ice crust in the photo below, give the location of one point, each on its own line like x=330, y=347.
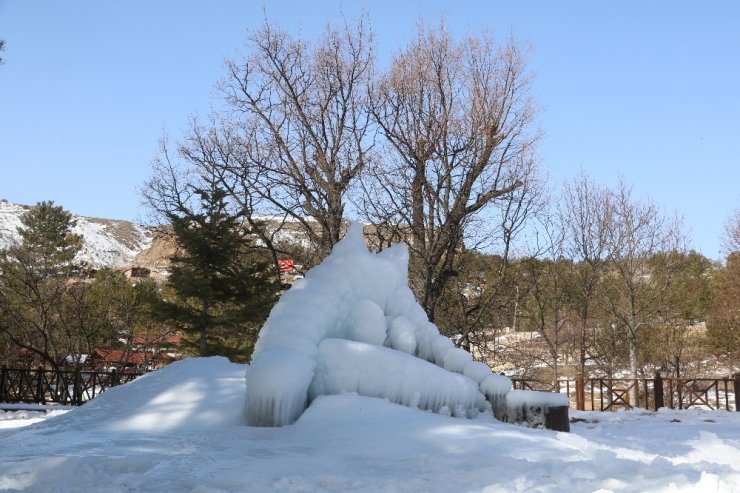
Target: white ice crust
x=519, y=398
x=354, y=295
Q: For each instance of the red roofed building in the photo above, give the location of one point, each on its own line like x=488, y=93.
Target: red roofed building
x=162, y=342
x=123, y=360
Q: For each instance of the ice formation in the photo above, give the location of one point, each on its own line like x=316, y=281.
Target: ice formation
x=353, y=325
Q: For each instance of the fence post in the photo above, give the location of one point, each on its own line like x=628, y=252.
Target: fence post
x=40, y=397
x=580, y=393
x=736, y=379
x=658, y=390
x=76, y=388
x=3, y=376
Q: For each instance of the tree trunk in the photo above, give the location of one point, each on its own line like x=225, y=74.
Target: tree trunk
x=633, y=368
x=203, y=330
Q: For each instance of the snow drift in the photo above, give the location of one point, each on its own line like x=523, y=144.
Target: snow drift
x=182, y=429
x=353, y=326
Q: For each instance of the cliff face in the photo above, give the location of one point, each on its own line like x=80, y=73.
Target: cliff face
x=157, y=253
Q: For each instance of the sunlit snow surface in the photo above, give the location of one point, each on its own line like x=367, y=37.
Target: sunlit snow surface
x=180, y=429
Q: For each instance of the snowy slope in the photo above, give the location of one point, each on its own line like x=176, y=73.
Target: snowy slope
x=106, y=242
x=181, y=429
x=10, y=221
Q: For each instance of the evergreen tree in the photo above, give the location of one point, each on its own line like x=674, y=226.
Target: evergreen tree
x=222, y=287
x=34, y=284
x=47, y=240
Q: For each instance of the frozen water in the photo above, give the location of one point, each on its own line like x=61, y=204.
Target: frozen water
x=403, y=335
x=376, y=371
x=366, y=323
x=456, y=359
x=353, y=326
x=356, y=295
x=283, y=376
x=495, y=385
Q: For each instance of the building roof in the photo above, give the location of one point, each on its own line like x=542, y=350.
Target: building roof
x=117, y=356
x=154, y=340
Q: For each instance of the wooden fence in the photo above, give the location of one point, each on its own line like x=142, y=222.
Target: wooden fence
x=608, y=394
x=73, y=387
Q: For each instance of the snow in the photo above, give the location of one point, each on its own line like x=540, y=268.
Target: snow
x=102, y=248
x=24, y=417
x=10, y=221
x=518, y=398
x=106, y=243
x=182, y=429
x=24, y=406
x=338, y=354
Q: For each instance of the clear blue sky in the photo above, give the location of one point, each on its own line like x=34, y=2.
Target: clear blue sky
x=649, y=91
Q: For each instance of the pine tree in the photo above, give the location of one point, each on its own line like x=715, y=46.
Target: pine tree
x=34, y=284
x=48, y=241
x=223, y=287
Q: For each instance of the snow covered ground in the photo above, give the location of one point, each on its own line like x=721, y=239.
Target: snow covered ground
x=182, y=429
x=351, y=340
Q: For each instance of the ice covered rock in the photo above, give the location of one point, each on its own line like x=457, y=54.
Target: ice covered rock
x=536, y=409
x=353, y=325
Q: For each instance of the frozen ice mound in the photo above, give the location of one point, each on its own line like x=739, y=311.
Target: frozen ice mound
x=376, y=371
x=353, y=325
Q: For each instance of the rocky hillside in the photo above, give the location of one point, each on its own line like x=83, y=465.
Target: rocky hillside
x=106, y=242
x=123, y=244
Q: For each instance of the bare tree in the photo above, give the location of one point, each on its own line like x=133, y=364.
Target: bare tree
x=724, y=314
x=642, y=267
x=300, y=119
x=731, y=238
x=586, y=216
x=483, y=298
x=456, y=119
x=545, y=306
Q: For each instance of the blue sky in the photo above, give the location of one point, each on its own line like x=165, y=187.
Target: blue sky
x=646, y=91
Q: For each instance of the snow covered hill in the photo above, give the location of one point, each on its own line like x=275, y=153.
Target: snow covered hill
x=183, y=428
x=106, y=242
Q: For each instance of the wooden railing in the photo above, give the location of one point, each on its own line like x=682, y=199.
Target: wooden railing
x=73, y=387
x=608, y=394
